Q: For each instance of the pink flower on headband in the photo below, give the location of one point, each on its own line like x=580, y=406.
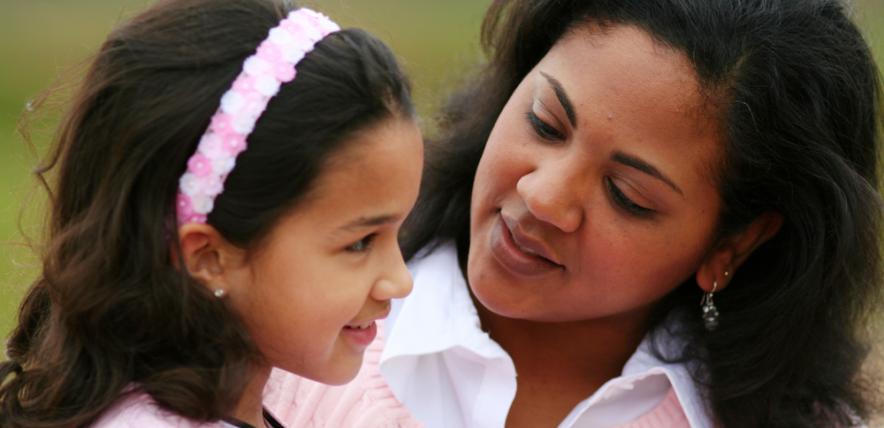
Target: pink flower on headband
x=185, y=211
x=226, y=137
x=233, y=145
x=200, y=165
x=270, y=51
x=283, y=73
x=222, y=124
x=243, y=84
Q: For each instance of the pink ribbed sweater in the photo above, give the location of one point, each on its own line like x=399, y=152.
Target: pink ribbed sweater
x=364, y=402
x=367, y=401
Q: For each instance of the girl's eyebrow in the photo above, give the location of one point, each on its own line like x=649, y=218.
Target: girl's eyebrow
x=634, y=162
x=563, y=98
x=373, y=221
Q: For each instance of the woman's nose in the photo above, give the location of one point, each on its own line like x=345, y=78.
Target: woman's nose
x=396, y=282
x=555, y=194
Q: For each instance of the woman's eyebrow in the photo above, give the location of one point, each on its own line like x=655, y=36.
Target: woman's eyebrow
x=563, y=98
x=634, y=162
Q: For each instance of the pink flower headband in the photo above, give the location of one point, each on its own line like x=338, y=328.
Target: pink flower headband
x=263, y=73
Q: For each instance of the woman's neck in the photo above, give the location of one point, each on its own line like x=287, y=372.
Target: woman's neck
x=594, y=349
x=560, y=364
x=250, y=408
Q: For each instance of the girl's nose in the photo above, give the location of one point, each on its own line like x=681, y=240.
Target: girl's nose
x=396, y=283
x=554, y=194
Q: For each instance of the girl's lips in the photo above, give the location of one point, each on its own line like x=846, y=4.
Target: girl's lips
x=359, y=336
x=362, y=333
x=513, y=258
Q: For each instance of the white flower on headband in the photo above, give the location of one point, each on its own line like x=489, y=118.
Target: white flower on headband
x=263, y=73
x=232, y=102
x=267, y=85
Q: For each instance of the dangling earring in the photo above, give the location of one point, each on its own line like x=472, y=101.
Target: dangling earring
x=220, y=293
x=710, y=312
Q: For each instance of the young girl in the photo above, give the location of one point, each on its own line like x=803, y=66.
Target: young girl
x=231, y=178
x=614, y=164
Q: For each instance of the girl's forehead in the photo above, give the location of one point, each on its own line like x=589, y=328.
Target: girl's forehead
x=375, y=175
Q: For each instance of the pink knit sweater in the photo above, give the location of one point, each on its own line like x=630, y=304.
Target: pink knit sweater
x=367, y=401
x=364, y=402
x=667, y=414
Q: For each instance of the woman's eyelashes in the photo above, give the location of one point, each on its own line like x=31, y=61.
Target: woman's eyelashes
x=550, y=133
x=624, y=202
x=542, y=129
x=362, y=245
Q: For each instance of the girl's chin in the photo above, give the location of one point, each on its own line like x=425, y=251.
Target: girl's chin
x=336, y=372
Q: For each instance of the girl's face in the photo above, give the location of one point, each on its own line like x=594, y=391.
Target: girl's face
x=312, y=293
x=595, y=194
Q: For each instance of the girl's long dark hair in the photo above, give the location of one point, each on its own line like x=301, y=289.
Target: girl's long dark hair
x=799, y=99
x=110, y=311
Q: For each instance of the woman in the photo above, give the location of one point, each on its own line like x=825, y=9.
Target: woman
x=614, y=164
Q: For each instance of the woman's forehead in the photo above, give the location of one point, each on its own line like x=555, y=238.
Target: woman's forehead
x=625, y=88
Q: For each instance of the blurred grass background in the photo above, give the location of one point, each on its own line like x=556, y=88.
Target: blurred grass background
x=44, y=41
x=48, y=42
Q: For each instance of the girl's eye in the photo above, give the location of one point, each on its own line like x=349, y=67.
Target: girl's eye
x=543, y=129
x=361, y=245
x=624, y=202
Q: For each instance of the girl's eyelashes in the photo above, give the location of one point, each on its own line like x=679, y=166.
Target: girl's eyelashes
x=543, y=129
x=624, y=202
x=361, y=245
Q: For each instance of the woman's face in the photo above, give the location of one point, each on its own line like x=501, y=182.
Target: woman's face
x=595, y=194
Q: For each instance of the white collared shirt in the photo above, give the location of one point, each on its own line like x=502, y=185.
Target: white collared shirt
x=449, y=373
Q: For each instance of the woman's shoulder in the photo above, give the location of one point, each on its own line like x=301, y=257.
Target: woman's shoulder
x=365, y=402
x=139, y=410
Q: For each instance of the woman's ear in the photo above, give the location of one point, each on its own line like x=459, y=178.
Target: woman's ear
x=209, y=258
x=728, y=255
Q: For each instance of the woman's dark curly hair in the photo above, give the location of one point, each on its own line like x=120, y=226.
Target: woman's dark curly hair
x=799, y=100
x=110, y=310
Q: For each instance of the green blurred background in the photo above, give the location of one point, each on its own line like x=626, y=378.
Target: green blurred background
x=46, y=41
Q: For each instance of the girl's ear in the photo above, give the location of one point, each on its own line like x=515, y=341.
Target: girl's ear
x=726, y=257
x=209, y=258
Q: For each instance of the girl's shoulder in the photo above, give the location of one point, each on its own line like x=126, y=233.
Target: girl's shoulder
x=138, y=410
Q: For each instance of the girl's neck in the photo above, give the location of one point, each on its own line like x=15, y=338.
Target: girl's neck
x=250, y=408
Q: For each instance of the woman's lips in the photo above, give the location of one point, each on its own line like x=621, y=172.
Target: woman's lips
x=518, y=259
x=527, y=243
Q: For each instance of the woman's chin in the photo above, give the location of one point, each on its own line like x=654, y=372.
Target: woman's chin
x=500, y=303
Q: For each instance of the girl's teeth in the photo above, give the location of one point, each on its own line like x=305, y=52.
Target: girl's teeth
x=360, y=327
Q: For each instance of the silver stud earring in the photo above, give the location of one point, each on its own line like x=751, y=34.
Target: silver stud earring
x=710, y=312
x=220, y=293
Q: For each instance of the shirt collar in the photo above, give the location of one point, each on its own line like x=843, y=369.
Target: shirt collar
x=439, y=315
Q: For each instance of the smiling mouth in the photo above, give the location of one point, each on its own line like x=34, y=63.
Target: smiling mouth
x=368, y=323
x=360, y=335
x=360, y=326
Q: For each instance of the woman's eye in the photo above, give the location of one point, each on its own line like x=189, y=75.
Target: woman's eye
x=624, y=202
x=361, y=245
x=543, y=129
